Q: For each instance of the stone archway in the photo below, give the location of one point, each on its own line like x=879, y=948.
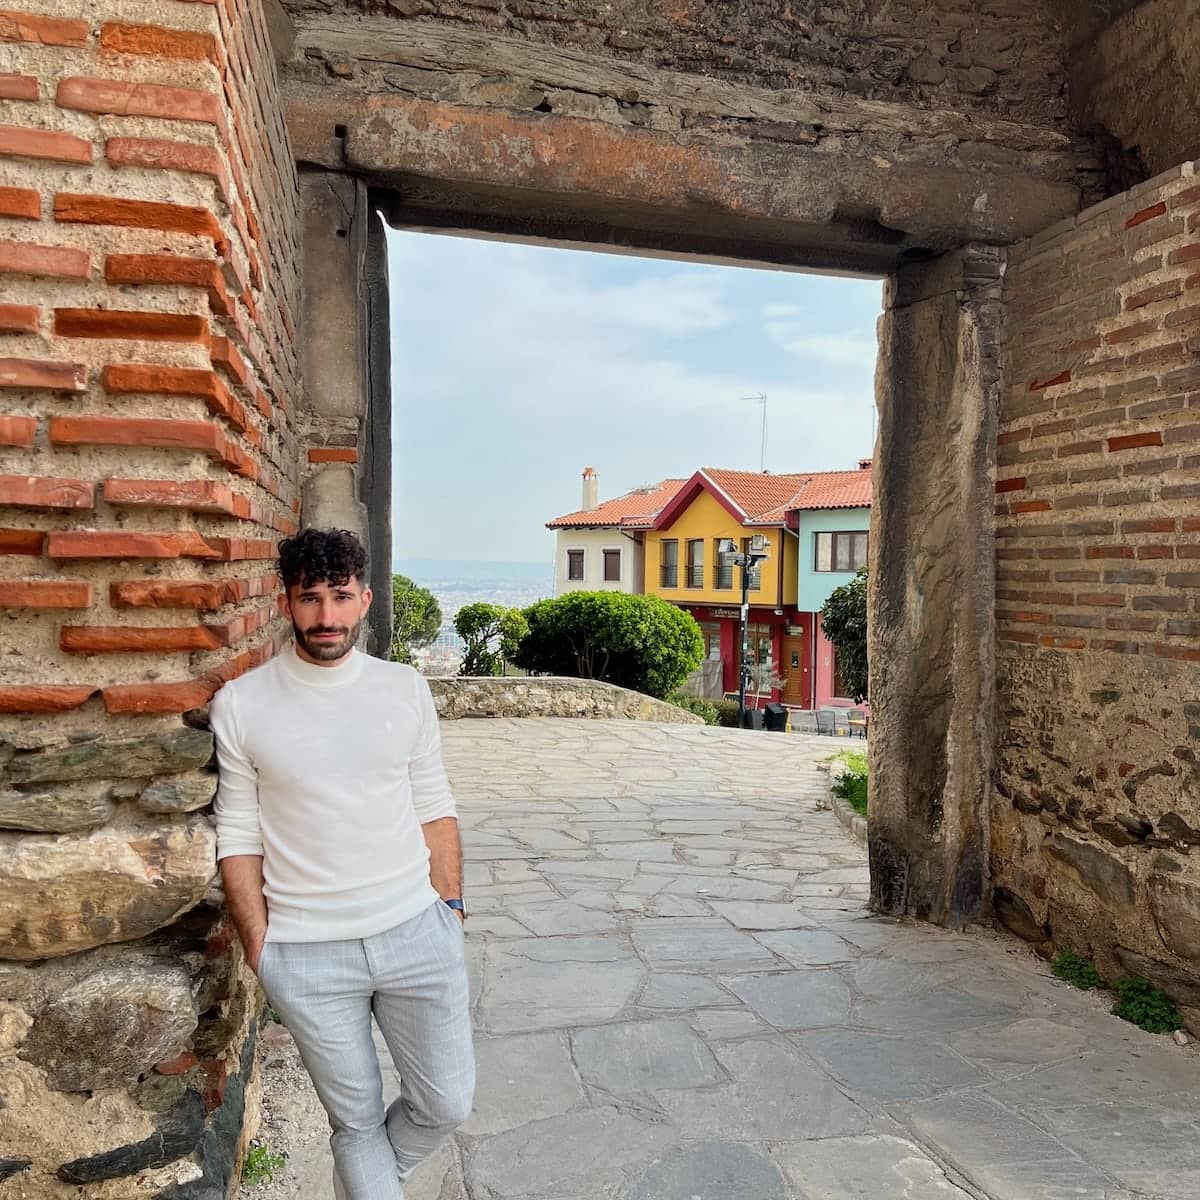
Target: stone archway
x=168, y=417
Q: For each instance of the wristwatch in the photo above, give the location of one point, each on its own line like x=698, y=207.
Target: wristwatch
x=458, y=906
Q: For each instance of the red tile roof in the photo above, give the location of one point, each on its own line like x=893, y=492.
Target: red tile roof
x=756, y=493
x=634, y=510
x=834, y=489
x=758, y=498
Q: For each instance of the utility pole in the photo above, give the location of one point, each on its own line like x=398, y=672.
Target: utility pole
x=728, y=554
x=761, y=398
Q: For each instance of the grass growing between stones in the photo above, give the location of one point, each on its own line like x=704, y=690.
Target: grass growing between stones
x=261, y=1164
x=1142, y=1004
x=852, y=781
x=1078, y=972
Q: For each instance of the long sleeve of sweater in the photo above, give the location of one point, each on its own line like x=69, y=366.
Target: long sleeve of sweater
x=431, y=793
x=236, y=807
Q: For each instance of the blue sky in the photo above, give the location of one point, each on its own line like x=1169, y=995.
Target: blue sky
x=516, y=366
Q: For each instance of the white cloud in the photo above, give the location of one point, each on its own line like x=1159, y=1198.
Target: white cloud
x=797, y=331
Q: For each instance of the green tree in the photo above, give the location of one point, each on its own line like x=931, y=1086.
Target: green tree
x=638, y=642
x=844, y=620
x=416, y=618
x=491, y=633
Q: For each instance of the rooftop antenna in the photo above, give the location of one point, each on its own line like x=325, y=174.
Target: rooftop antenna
x=761, y=397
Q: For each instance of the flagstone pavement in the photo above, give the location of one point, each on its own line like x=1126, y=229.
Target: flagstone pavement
x=679, y=995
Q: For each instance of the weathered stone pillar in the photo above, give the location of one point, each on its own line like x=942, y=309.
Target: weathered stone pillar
x=346, y=373
x=931, y=587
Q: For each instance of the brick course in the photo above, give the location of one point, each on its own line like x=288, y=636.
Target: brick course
x=162, y=281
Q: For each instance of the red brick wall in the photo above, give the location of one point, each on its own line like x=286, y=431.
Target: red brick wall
x=1098, y=576
x=148, y=258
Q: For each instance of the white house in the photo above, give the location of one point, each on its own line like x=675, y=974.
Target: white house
x=599, y=547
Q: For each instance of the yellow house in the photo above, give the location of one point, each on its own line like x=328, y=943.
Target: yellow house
x=682, y=565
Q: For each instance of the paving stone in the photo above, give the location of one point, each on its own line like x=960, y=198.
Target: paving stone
x=697, y=943
x=664, y=990
x=809, y=947
x=758, y=914
x=712, y=1171
x=777, y=1092
x=878, y=1167
x=887, y=979
x=577, y=1154
x=495, y=924
x=1013, y=1048
x=943, y=1010
x=657, y=851
x=524, y=1078
x=522, y=993
x=1121, y=1074
x=890, y=1068
x=716, y=1023
x=795, y=999
x=1005, y=1155
x=639, y=1056
x=677, y=906
x=557, y=917
x=728, y=888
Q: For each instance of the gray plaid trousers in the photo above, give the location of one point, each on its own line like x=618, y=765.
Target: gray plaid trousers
x=413, y=979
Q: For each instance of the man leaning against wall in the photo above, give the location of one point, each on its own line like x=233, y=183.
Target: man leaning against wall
x=340, y=853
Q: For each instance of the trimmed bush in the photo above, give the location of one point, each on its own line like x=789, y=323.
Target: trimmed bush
x=704, y=709
x=637, y=642
x=727, y=713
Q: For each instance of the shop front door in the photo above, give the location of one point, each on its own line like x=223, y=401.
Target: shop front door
x=795, y=673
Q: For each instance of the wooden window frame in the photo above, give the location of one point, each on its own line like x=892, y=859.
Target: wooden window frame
x=834, y=535
x=604, y=558
x=693, y=570
x=664, y=566
x=582, y=576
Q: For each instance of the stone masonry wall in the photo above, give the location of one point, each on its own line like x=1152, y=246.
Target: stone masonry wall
x=148, y=465
x=1096, y=810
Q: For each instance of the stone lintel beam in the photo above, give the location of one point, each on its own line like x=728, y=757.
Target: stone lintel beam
x=481, y=160
x=931, y=590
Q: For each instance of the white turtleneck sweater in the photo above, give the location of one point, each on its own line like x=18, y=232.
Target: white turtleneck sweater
x=329, y=773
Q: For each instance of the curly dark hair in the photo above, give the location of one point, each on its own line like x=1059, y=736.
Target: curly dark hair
x=330, y=556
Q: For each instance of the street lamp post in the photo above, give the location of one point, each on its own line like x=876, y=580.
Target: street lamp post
x=729, y=556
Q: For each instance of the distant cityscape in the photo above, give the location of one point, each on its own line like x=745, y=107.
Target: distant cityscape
x=459, y=583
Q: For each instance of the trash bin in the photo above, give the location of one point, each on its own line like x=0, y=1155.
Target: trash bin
x=775, y=718
x=753, y=719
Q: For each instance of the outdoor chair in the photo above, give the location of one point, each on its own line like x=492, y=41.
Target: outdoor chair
x=827, y=721
x=858, y=722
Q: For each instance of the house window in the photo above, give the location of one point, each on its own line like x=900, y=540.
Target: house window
x=711, y=632
x=670, y=563
x=574, y=564
x=695, y=562
x=756, y=570
x=722, y=572
x=760, y=643
x=841, y=551
x=612, y=566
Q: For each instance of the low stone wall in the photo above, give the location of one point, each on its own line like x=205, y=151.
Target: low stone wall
x=550, y=696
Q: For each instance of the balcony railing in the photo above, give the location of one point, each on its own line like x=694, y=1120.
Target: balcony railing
x=723, y=578
x=695, y=576
x=670, y=576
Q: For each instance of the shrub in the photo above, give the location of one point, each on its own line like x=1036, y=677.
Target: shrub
x=844, y=621
x=851, y=782
x=638, y=642
x=1077, y=971
x=1140, y=1002
x=727, y=713
x=705, y=709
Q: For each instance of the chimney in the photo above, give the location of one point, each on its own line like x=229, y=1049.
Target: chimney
x=591, y=490
x=864, y=464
